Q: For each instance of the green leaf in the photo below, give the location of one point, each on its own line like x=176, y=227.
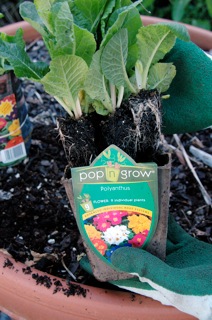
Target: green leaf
x=44, y=11
x=161, y=76
x=65, y=80
x=123, y=19
x=99, y=107
x=2, y=71
x=120, y=7
x=68, y=38
x=88, y=13
x=1, y=15
x=95, y=86
x=85, y=44
x=63, y=30
x=13, y=50
x=29, y=13
x=108, y=10
x=4, y=66
x=178, y=29
x=178, y=9
x=209, y=7
x=154, y=41
x=114, y=58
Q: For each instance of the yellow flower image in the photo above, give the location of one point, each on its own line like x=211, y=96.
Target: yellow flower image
x=14, y=128
x=92, y=232
x=138, y=223
x=6, y=105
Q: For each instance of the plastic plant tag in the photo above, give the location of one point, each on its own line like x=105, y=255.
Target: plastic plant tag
x=116, y=202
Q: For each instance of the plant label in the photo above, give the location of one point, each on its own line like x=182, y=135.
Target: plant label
x=116, y=202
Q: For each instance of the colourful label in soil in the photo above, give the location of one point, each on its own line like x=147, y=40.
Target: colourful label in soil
x=12, y=147
x=116, y=202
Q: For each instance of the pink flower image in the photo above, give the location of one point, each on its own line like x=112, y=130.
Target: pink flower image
x=115, y=218
x=96, y=219
x=3, y=123
x=139, y=239
x=103, y=225
x=105, y=215
x=106, y=219
x=123, y=213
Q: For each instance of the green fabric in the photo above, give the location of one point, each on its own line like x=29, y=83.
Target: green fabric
x=134, y=282
x=187, y=269
x=189, y=107
x=184, y=280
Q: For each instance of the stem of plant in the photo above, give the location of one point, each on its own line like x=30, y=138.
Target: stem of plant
x=77, y=109
x=63, y=104
x=113, y=96
x=120, y=96
x=138, y=74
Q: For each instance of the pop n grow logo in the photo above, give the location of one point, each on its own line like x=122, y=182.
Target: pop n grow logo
x=116, y=202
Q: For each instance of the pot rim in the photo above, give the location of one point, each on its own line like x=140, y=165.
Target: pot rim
x=200, y=36
x=41, y=302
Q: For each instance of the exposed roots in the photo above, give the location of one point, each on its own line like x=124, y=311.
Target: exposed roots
x=136, y=126
x=78, y=140
x=146, y=112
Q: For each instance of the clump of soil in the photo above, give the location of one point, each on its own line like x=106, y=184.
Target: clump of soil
x=135, y=127
x=78, y=139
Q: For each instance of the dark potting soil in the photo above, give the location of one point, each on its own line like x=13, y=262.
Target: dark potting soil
x=37, y=225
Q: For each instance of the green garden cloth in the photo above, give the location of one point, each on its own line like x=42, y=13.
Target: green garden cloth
x=189, y=107
x=184, y=280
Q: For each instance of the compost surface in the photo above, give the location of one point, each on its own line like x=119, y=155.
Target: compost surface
x=37, y=226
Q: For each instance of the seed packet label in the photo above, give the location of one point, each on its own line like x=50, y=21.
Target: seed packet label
x=116, y=202
x=14, y=153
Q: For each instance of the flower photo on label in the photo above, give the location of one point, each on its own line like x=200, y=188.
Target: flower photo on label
x=14, y=128
x=92, y=232
x=139, y=223
x=6, y=105
x=116, y=235
x=112, y=229
x=100, y=245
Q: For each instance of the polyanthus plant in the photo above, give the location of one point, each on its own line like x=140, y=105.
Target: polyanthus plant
x=72, y=32
x=101, y=58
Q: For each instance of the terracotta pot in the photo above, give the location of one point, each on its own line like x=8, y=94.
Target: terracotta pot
x=202, y=37
x=21, y=298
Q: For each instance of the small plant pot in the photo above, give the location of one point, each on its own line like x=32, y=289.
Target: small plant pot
x=156, y=246
x=22, y=297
